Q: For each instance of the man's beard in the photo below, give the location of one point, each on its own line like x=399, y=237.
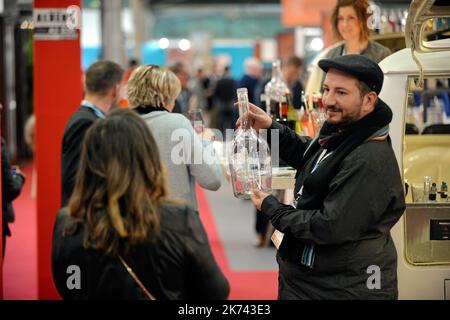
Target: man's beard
x=345, y=119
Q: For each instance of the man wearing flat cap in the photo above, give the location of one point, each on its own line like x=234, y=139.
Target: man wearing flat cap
x=336, y=241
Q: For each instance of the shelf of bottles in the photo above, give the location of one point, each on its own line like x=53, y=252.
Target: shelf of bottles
x=431, y=192
x=389, y=19
x=306, y=119
x=437, y=29
x=427, y=128
x=429, y=107
x=388, y=23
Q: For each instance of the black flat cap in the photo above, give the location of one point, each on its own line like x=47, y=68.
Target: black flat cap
x=359, y=66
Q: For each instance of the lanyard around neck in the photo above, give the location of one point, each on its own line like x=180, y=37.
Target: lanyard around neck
x=322, y=157
x=99, y=113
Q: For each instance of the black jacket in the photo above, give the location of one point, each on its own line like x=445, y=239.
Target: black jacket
x=11, y=186
x=350, y=228
x=72, y=142
x=178, y=264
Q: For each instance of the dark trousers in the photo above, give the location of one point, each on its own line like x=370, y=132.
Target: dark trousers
x=227, y=116
x=262, y=223
x=6, y=232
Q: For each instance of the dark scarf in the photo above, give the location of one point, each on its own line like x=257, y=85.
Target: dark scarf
x=340, y=143
x=141, y=110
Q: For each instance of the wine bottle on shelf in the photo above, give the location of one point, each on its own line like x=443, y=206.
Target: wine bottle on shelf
x=283, y=109
x=433, y=191
x=404, y=17
x=291, y=113
x=391, y=21
x=306, y=121
x=444, y=190
x=317, y=113
x=384, y=22
x=264, y=103
x=275, y=90
x=249, y=158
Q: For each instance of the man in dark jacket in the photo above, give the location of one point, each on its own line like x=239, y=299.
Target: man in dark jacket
x=12, y=183
x=253, y=73
x=334, y=241
x=224, y=96
x=102, y=87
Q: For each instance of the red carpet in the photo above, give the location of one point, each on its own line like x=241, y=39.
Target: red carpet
x=20, y=265
x=245, y=285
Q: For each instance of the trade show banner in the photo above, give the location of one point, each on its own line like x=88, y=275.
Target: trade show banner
x=57, y=93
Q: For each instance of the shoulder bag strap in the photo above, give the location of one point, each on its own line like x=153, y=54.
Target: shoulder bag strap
x=130, y=271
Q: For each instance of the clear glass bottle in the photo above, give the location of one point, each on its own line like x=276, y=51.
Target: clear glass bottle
x=433, y=191
x=444, y=190
x=249, y=158
x=426, y=187
x=434, y=111
x=275, y=90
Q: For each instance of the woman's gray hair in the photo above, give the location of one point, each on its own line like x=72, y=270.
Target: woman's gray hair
x=151, y=85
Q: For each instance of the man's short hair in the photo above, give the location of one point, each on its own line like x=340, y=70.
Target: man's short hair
x=252, y=65
x=293, y=61
x=102, y=76
x=363, y=88
x=177, y=67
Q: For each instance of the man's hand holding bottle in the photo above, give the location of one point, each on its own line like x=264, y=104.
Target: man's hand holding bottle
x=257, y=117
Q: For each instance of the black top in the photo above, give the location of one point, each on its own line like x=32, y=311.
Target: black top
x=346, y=216
x=11, y=186
x=178, y=264
x=73, y=137
x=225, y=89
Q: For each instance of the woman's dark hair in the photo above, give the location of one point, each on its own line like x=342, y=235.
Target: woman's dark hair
x=119, y=185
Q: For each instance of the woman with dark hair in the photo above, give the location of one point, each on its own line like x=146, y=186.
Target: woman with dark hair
x=350, y=24
x=120, y=235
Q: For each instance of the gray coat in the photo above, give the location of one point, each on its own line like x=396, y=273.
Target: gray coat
x=177, y=139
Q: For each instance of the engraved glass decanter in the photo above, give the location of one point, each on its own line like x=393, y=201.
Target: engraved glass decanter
x=249, y=156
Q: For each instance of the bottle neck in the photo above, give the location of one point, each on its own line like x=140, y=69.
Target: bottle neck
x=243, y=114
x=243, y=110
x=276, y=70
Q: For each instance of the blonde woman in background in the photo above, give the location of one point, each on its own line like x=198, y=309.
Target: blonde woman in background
x=152, y=92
